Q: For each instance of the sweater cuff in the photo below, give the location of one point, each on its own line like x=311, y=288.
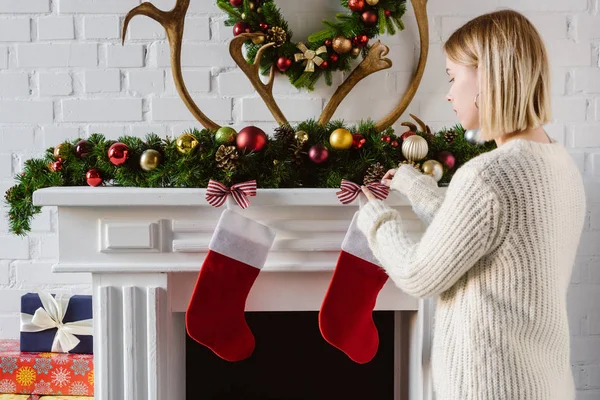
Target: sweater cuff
x=404, y=179
x=371, y=215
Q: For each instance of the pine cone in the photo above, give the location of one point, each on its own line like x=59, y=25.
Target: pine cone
x=284, y=133
x=450, y=136
x=226, y=157
x=374, y=174
x=276, y=35
x=297, y=149
x=408, y=162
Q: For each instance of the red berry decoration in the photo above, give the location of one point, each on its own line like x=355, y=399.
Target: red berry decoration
x=57, y=166
x=324, y=65
x=83, y=148
x=118, y=153
x=369, y=18
x=358, y=141
x=93, y=177
x=251, y=138
x=318, y=154
x=361, y=40
x=328, y=43
x=283, y=63
x=236, y=3
x=356, y=5
x=407, y=134
x=388, y=13
x=386, y=138
x=334, y=57
x=241, y=27
x=263, y=26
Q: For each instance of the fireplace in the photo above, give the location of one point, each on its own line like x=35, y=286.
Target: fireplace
x=144, y=248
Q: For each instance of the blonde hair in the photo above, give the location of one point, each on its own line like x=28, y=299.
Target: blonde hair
x=514, y=75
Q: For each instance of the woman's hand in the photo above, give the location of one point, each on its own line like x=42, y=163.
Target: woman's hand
x=368, y=193
x=387, y=178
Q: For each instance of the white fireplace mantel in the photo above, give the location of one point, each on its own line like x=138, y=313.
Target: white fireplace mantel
x=144, y=248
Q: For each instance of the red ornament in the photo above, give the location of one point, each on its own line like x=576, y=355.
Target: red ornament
x=241, y=27
x=447, y=159
x=57, y=166
x=324, y=65
x=361, y=40
x=388, y=13
x=93, y=177
x=395, y=143
x=328, y=43
x=358, y=141
x=356, y=5
x=83, y=148
x=407, y=134
x=263, y=26
x=118, y=153
x=283, y=63
x=369, y=18
x=318, y=153
x=334, y=57
x=236, y=3
x=386, y=138
x=251, y=138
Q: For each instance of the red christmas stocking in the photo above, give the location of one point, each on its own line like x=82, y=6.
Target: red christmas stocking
x=215, y=316
x=346, y=316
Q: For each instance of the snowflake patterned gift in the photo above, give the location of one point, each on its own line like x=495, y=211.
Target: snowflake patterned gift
x=44, y=373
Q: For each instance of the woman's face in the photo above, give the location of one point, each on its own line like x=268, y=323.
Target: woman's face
x=462, y=93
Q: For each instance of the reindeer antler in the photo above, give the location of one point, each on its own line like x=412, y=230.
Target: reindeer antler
x=420, y=8
x=252, y=71
x=173, y=21
x=372, y=63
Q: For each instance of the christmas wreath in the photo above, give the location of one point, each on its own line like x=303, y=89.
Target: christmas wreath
x=331, y=49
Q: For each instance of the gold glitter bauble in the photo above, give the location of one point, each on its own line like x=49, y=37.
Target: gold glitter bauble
x=341, y=139
x=372, y=2
x=301, y=136
x=433, y=168
x=341, y=44
x=355, y=52
x=150, y=159
x=258, y=39
x=187, y=143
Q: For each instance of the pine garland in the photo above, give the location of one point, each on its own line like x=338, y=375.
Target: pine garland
x=279, y=165
x=253, y=13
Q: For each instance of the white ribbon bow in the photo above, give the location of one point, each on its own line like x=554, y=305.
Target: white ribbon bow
x=50, y=316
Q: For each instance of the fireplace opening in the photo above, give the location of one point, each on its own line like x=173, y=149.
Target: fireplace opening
x=292, y=361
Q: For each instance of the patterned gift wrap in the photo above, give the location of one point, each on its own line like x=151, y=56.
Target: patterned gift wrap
x=44, y=373
x=36, y=397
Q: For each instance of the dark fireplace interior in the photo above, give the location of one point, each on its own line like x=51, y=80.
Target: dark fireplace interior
x=292, y=361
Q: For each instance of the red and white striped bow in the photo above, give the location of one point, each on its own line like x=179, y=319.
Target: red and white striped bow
x=216, y=193
x=350, y=191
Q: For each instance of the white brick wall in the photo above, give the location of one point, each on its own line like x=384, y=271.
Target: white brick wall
x=64, y=73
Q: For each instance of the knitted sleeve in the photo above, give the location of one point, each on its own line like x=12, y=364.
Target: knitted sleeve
x=421, y=190
x=461, y=232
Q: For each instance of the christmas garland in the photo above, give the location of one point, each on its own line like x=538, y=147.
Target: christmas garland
x=331, y=49
x=306, y=155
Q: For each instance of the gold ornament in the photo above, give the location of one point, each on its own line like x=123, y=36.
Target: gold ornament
x=415, y=148
x=61, y=151
x=187, y=143
x=251, y=6
x=433, y=168
x=310, y=57
x=259, y=10
x=226, y=157
x=341, y=44
x=341, y=139
x=374, y=174
x=150, y=159
x=355, y=52
x=243, y=16
x=372, y=2
x=258, y=39
x=301, y=136
x=277, y=35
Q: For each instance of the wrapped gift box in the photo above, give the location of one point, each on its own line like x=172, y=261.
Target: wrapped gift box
x=41, y=313
x=44, y=373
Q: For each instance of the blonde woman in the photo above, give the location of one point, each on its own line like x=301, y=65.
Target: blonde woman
x=500, y=245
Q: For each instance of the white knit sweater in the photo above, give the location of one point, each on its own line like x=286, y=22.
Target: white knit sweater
x=498, y=250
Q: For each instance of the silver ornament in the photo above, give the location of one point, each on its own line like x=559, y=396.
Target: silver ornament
x=473, y=136
x=433, y=168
